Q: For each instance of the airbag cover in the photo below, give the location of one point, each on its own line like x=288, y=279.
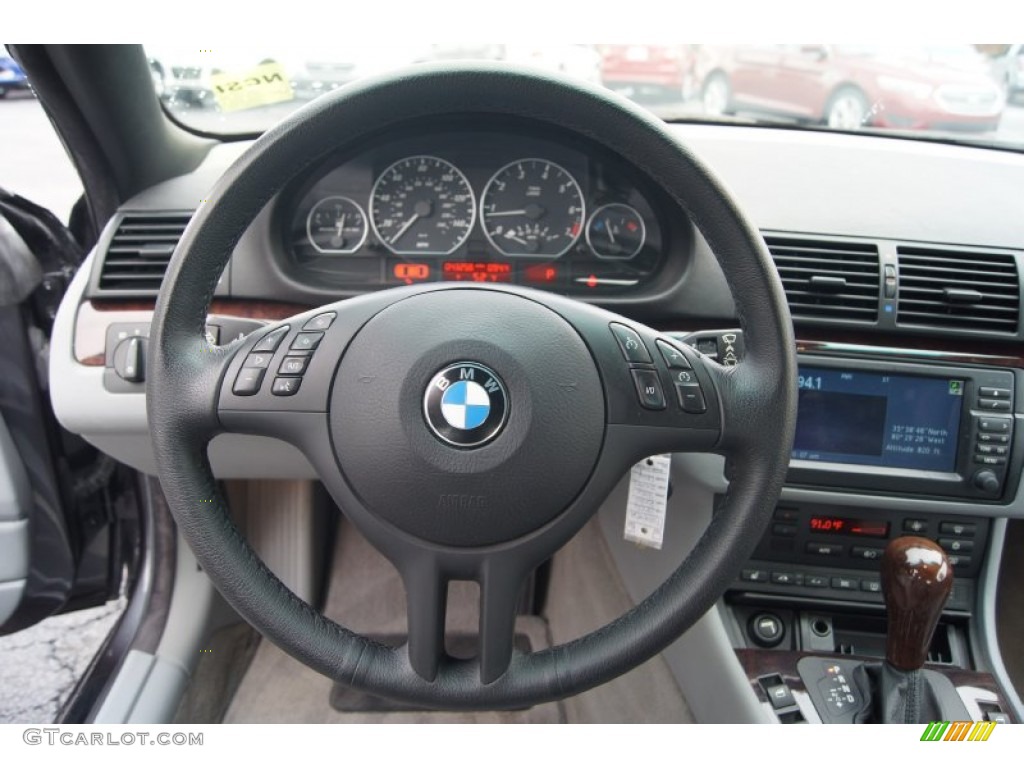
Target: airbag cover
x=467, y=497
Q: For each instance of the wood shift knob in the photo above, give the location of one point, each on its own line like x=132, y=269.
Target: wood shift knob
x=916, y=580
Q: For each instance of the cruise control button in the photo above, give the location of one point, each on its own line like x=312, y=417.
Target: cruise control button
x=673, y=357
x=321, y=322
x=691, y=398
x=294, y=366
x=258, y=360
x=632, y=346
x=307, y=341
x=956, y=545
x=285, y=386
x=648, y=389
x=269, y=342
x=248, y=381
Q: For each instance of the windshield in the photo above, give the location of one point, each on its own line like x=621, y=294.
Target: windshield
x=967, y=92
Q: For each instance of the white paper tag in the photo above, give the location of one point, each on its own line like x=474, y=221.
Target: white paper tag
x=648, y=498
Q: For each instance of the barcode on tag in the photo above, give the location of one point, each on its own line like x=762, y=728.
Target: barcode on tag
x=648, y=497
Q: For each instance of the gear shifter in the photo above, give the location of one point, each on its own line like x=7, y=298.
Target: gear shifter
x=916, y=581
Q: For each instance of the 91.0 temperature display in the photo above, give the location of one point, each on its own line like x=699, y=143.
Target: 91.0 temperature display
x=850, y=526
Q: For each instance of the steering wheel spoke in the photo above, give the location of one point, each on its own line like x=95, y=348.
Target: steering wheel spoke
x=426, y=606
x=500, y=577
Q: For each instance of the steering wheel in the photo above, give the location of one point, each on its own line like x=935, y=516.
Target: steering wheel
x=469, y=432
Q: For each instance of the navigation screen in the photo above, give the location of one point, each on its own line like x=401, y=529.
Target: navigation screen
x=860, y=417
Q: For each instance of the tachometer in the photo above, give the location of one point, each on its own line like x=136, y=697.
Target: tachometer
x=336, y=225
x=422, y=206
x=532, y=207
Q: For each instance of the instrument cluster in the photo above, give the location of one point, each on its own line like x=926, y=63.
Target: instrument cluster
x=483, y=206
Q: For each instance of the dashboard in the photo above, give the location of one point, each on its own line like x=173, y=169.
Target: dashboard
x=515, y=202
x=493, y=204
x=912, y=378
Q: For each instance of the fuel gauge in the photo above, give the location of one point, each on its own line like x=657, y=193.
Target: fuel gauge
x=616, y=231
x=336, y=225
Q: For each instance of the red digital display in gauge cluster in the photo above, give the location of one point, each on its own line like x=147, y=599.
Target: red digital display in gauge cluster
x=850, y=526
x=477, y=271
x=411, y=272
x=543, y=274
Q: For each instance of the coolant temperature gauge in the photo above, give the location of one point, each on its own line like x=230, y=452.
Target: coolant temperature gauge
x=336, y=225
x=616, y=231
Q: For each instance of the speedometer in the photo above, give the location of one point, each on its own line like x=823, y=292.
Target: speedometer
x=422, y=206
x=532, y=207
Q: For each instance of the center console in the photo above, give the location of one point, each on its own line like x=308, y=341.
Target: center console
x=930, y=440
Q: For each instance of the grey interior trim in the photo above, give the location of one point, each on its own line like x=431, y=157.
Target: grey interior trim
x=121, y=698
x=13, y=550
x=708, y=472
x=147, y=690
x=160, y=694
x=149, y=687
x=116, y=422
x=801, y=182
x=15, y=490
x=15, y=498
x=194, y=604
x=983, y=629
x=10, y=598
x=703, y=659
x=286, y=526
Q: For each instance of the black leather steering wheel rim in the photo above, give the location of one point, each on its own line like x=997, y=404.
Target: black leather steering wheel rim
x=185, y=374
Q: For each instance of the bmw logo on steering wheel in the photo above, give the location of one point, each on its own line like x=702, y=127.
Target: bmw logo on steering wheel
x=466, y=404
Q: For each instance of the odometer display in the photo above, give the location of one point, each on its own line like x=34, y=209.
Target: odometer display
x=477, y=271
x=422, y=206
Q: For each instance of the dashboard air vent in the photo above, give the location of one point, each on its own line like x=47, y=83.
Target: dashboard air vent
x=826, y=279
x=139, y=252
x=958, y=289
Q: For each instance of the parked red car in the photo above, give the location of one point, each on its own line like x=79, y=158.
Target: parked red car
x=848, y=87
x=668, y=71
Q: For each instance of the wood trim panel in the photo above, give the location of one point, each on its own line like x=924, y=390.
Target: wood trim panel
x=94, y=317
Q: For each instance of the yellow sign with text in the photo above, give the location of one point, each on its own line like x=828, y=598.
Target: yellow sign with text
x=256, y=87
